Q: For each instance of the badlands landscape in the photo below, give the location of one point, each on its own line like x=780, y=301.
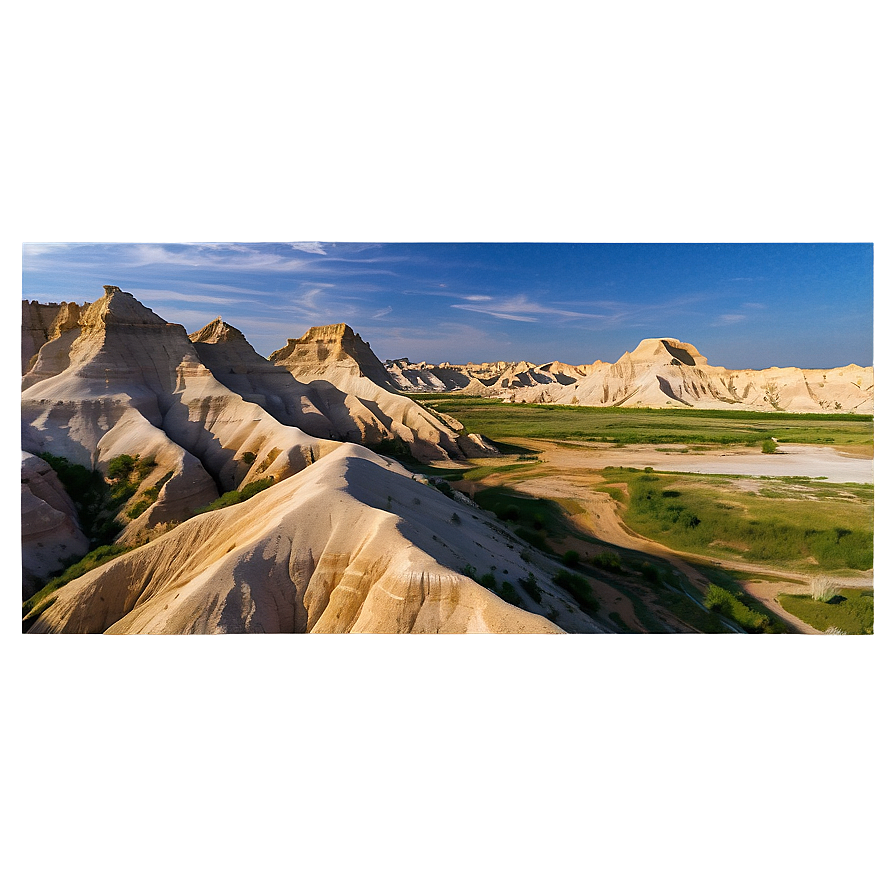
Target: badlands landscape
x=179, y=483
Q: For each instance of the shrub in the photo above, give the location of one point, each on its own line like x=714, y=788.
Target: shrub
x=769, y=446
x=728, y=604
x=530, y=586
x=121, y=467
x=650, y=572
x=608, y=561
x=237, y=497
x=578, y=587
x=571, y=558
x=249, y=457
x=508, y=593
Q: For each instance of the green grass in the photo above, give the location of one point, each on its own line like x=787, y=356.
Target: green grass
x=733, y=606
x=851, y=611
x=630, y=426
x=789, y=522
x=150, y=496
x=579, y=587
x=228, y=499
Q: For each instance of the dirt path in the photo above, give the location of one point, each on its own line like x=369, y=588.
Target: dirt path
x=569, y=472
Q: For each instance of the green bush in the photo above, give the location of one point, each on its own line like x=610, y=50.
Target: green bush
x=728, y=604
x=571, y=558
x=228, y=499
x=530, y=586
x=121, y=467
x=509, y=594
x=248, y=457
x=769, y=446
x=608, y=561
x=578, y=587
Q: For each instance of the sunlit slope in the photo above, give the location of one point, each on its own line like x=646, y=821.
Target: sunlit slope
x=351, y=544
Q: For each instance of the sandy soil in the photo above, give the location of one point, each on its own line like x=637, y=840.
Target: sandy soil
x=791, y=460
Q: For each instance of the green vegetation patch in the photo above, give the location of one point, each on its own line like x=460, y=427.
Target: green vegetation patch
x=850, y=611
x=228, y=499
x=579, y=587
x=732, y=606
x=500, y=421
x=710, y=515
x=150, y=496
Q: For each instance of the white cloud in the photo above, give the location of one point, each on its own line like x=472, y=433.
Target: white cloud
x=313, y=248
x=521, y=308
x=724, y=320
x=382, y=312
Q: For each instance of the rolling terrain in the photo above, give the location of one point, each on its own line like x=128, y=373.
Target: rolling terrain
x=179, y=483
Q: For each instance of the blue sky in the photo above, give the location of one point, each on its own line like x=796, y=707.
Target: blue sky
x=742, y=305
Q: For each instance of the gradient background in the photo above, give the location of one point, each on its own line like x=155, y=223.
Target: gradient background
x=524, y=765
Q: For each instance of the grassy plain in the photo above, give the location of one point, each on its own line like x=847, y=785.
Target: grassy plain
x=851, y=611
x=794, y=525
x=799, y=525
x=501, y=421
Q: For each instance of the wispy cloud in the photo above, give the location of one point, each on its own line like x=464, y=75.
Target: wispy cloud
x=725, y=320
x=377, y=315
x=312, y=248
x=521, y=308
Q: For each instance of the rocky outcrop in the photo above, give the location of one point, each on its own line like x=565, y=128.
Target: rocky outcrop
x=351, y=383
x=351, y=544
x=44, y=322
x=51, y=532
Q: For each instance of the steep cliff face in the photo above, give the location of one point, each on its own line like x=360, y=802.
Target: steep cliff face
x=351, y=544
x=352, y=384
